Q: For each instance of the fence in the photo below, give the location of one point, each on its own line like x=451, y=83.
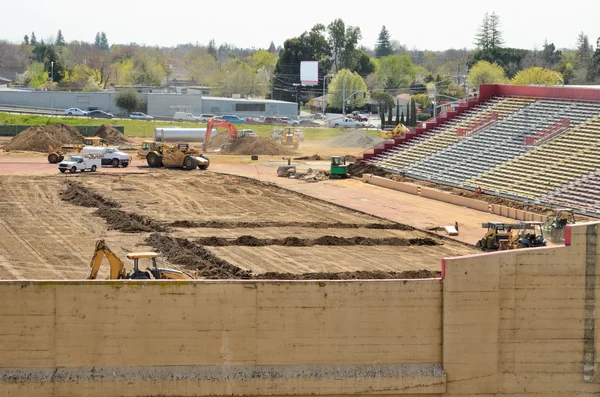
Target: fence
x=465, y=132
x=86, y=130
x=550, y=132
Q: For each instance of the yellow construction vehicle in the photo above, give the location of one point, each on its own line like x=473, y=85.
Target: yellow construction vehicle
x=58, y=155
x=398, y=132
x=147, y=147
x=504, y=236
x=556, y=223
x=177, y=155
x=288, y=136
x=117, y=268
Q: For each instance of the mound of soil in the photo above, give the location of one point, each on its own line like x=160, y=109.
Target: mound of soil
x=110, y=135
x=127, y=222
x=358, y=275
x=256, y=146
x=218, y=140
x=78, y=194
x=38, y=138
x=358, y=169
x=251, y=241
x=312, y=225
x=355, y=139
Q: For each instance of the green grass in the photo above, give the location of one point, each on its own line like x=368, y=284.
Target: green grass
x=146, y=128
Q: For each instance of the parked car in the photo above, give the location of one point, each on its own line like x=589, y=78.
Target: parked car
x=205, y=117
x=288, y=121
x=75, y=112
x=108, y=155
x=140, y=116
x=246, y=133
x=347, y=122
x=308, y=123
x=252, y=120
x=99, y=114
x=233, y=118
x=272, y=120
x=360, y=117
x=184, y=116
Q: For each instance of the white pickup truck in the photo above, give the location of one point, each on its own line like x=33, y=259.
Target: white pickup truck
x=108, y=155
x=81, y=163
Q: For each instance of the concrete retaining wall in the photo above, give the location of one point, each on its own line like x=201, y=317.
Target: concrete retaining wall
x=453, y=199
x=220, y=338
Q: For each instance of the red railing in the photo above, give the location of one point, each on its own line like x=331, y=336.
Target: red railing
x=477, y=126
x=548, y=133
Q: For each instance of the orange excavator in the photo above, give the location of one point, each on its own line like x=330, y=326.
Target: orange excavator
x=217, y=123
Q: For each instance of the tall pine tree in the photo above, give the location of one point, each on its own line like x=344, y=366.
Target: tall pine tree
x=402, y=119
x=383, y=47
x=413, y=113
x=97, y=42
x=104, y=41
x=33, y=40
x=390, y=115
x=382, y=115
x=408, y=114
x=212, y=48
x=397, y=113
x=60, y=40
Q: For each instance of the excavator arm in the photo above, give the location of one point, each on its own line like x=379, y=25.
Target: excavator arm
x=117, y=268
x=212, y=124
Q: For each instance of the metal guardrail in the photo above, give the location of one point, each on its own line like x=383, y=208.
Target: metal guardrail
x=548, y=133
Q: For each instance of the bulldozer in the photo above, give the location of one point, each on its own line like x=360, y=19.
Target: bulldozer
x=398, y=132
x=555, y=224
x=117, y=268
x=177, y=155
x=57, y=155
x=147, y=146
x=288, y=136
x=497, y=233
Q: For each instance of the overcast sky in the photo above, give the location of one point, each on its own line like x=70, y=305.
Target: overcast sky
x=434, y=25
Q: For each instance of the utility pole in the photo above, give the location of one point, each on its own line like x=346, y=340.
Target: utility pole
x=324, y=84
x=344, y=97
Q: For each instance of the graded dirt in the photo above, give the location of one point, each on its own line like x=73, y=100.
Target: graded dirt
x=50, y=224
x=38, y=138
x=111, y=136
x=356, y=139
x=257, y=145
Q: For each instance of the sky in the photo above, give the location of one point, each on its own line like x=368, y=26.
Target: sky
x=431, y=25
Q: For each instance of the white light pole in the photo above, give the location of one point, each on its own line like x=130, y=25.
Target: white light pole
x=52, y=85
x=324, y=84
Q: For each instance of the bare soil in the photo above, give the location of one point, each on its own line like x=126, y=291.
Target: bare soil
x=110, y=135
x=38, y=138
x=252, y=241
x=256, y=146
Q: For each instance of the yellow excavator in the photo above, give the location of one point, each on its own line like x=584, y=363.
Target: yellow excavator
x=117, y=268
x=398, y=132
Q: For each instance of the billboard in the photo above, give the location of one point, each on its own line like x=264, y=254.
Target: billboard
x=309, y=72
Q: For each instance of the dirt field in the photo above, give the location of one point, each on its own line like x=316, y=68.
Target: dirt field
x=42, y=236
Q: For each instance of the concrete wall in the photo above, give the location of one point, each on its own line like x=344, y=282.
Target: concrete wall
x=60, y=100
x=167, y=104
x=220, y=338
x=439, y=195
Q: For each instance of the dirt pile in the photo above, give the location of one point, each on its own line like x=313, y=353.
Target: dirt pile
x=358, y=275
x=312, y=225
x=110, y=135
x=358, y=169
x=38, y=138
x=218, y=140
x=258, y=145
x=193, y=256
x=355, y=139
x=251, y=241
x=78, y=194
x=311, y=175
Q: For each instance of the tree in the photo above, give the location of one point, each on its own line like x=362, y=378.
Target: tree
x=97, y=42
x=402, y=119
x=413, y=112
x=383, y=47
x=495, y=34
x=36, y=75
x=60, y=40
x=584, y=71
x=26, y=40
x=537, y=75
x=364, y=65
x=104, y=42
x=382, y=113
x=484, y=72
x=128, y=100
x=422, y=100
x=482, y=37
x=33, y=40
x=408, y=114
x=390, y=115
x=343, y=85
x=343, y=41
x=549, y=56
x=212, y=48
x=396, y=71
x=596, y=59
x=397, y=113
x=272, y=48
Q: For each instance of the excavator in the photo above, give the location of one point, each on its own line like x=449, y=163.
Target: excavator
x=398, y=132
x=117, y=268
x=217, y=123
x=556, y=223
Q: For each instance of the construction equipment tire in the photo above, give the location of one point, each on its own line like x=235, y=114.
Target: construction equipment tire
x=204, y=166
x=53, y=158
x=153, y=160
x=189, y=163
x=61, y=158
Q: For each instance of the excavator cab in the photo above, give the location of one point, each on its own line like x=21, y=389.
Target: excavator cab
x=151, y=272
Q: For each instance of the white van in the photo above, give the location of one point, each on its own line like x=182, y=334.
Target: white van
x=109, y=155
x=183, y=116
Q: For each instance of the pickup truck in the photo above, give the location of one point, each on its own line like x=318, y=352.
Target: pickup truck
x=81, y=163
x=347, y=123
x=108, y=155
